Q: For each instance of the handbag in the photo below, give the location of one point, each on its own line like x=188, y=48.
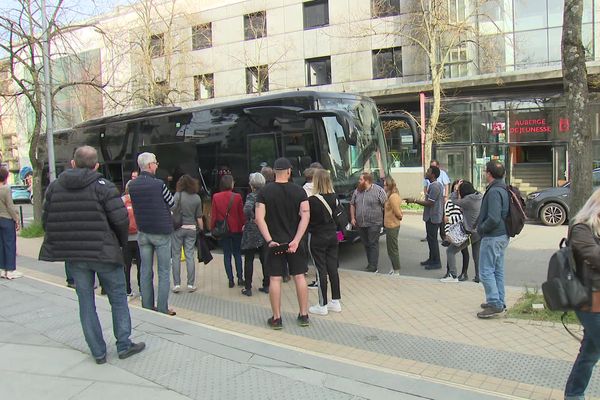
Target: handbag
x=221, y=229
x=457, y=235
x=177, y=218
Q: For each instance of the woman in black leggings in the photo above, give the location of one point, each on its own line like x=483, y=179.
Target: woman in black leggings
x=323, y=242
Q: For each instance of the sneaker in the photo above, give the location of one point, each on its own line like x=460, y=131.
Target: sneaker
x=275, y=323
x=176, y=289
x=370, y=269
x=463, y=277
x=313, y=285
x=490, y=312
x=426, y=262
x=71, y=285
x=303, y=320
x=13, y=274
x=101, y=360
x=424, y=240
x=394, y=272
x=241, y=282
x=247, y=292
x=318, y=309
x=334, y=305
x=433, y=266
x=231, y=284
x=264, y=289
x=449, y=279
x=191, y=288
x=134, y=349
x=484, y=305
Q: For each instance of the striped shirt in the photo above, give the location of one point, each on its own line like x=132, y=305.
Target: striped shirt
x=368, y=206
x=453, y=214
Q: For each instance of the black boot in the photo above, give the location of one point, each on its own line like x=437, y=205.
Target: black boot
x=463, y=277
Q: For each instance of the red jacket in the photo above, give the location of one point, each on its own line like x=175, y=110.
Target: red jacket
x=132, y=225
x=236, y=218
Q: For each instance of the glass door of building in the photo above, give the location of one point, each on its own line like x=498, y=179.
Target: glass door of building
x=456, y=160
x=560, y=162
x=484, y=153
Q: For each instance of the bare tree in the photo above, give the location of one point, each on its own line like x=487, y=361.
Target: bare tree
x=149, y=38
x=21, y=43
x=449, y=34
x=575, y=82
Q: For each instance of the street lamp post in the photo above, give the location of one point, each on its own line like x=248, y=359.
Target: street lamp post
x=48, y=93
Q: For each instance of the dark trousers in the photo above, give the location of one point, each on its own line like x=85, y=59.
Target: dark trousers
x=434, y=247
x=324, y=251
x=370, y=238
x=8, y=244
x=232, y=246
x=249, y=255
x=131, y=252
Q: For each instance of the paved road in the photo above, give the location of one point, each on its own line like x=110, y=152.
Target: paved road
x=526, y=259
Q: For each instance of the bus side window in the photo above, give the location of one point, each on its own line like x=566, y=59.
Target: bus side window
x=261, y=149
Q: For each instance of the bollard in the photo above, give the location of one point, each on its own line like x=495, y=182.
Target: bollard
x=21, y=215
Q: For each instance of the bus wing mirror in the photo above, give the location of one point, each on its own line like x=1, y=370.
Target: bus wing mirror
x=344, y=118
x=409, y=120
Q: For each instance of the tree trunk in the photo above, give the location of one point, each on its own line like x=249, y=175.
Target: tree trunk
x=430, y=133
x=576, y=98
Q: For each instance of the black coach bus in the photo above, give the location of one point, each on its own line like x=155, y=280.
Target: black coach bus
x=341, y=131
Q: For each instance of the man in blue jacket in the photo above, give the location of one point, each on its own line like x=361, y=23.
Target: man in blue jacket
x=86, y=226
x=152, y=203
x=492, y=228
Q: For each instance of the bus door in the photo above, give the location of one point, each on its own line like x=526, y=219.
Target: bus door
x=300, y=149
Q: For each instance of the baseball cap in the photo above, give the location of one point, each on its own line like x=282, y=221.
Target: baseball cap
x=282, y=163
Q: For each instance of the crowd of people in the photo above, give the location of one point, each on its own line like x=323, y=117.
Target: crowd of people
x=99, y=234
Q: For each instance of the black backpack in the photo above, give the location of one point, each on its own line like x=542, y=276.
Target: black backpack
x=515, y=219
x=563, y=291
x=340, y=216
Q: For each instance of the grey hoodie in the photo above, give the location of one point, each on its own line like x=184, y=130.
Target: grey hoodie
x=471, y=205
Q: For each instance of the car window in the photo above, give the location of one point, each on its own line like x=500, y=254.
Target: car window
x=596, y=178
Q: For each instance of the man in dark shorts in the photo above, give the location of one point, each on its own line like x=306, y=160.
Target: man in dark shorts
x=282, y=215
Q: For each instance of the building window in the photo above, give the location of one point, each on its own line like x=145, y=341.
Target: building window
x=385, y=8
x=318, y=71
x=204, y=87
x=387, y=63
x=456, y=10
x=255, y=25
x=257, y=79
x=316, y=14
x=160, y=95
x=201, y=36
x=157, y=45
x=457, y=63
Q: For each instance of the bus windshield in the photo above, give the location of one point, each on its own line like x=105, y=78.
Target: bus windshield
x=346, y=162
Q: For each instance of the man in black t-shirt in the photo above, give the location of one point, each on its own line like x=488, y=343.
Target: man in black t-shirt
x=282, y=215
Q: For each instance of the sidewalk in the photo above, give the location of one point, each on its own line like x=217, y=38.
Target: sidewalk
x=401, y=325
x=43, y=356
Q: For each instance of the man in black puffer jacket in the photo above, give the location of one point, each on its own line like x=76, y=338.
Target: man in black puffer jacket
x=86, y=225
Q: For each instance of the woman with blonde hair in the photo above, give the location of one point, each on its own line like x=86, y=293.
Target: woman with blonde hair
x=392, y=216
x=584, y=238
x=323, y=242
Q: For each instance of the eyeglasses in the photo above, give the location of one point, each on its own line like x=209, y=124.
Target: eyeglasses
x=154, y=162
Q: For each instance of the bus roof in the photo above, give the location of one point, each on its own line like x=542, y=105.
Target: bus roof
x=156, y=111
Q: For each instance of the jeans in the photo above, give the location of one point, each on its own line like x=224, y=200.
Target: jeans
x=68, y=275
x=434, y=247
x=232, y=245
x=491, y=268
x=249, y=266
x=588, y=356
x=149, y=243
x=370, y=237
x=391, y=240
x=113, y=281
x=8, y=244
x=131, y=251
x=187, y=238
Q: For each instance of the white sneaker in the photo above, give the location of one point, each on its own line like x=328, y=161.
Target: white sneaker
x=449, y=279
x=317, y=309
x=334, y=305
x=191, y=288
x=176, y=289
x=13, y=274
x=394, y=273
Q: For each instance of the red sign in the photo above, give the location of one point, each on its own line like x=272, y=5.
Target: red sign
x=564, y=125
x=523, y=126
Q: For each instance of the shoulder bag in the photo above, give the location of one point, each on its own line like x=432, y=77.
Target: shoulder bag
x=221, y=228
